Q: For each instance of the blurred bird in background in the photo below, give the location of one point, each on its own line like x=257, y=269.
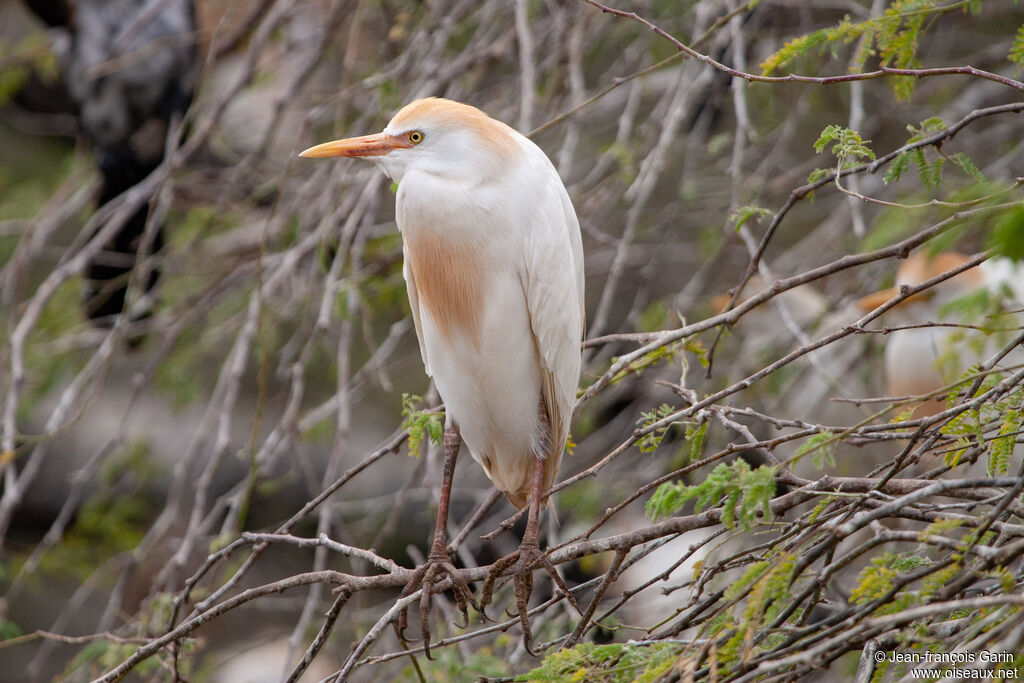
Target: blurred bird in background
x=922, y=360
x=131, y=68
x=494, y=271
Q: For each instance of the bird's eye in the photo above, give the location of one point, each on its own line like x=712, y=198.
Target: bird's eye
x=416, y=137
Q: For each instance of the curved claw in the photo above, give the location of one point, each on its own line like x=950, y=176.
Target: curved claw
x=410, y=588
x=487, y=592
x=526, y=559
x=427, y=579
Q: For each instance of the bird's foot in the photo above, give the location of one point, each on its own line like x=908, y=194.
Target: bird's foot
x=428, y=578
x=525, y=560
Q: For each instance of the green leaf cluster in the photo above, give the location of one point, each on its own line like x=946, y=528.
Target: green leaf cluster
x=452, y=666
x=767, y=586
x=669, y=352
x=611, y=663
x=877, y=579
x=113, y=519
x=847, y=143
x=1016, y=54
x=1006, y=238
x=421, y=424
x=822, y=447
x=1001, y=447
x=893, y=38
x=930, y=172
x=969, y=427
x=649, y=442
x=741, y=491
x=745, y=213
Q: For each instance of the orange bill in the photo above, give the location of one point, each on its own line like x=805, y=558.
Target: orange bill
x=374, y=145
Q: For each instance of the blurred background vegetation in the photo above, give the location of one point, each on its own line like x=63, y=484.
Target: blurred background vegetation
x=273, y=351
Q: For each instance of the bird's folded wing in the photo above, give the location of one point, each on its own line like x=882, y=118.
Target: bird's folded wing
x=414, y=304
x=553, y=286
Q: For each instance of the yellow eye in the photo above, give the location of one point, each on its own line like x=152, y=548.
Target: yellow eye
x=416, y=137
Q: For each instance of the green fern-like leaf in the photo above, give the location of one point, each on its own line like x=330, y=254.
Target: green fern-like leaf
x=741, y=491
x=649, y=442
x=940, y=527
x=822, y=447
x=1001, y=448
x=967, y=166
x=745, y=213
x=896, y=168
x=848, y=143
x=1006, y=238
x=818, y=174
x=420, y=424
x=875, y=580
x=696, y=437
x=1017, y=48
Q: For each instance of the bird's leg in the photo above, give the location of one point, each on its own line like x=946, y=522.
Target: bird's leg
x=528, y=556
x=432, y=573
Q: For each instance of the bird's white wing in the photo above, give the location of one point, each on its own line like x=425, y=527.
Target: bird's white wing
x=414, y=304
x=553, y=283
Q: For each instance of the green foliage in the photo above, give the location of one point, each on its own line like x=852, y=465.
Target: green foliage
x=892, y=38
x=650, y=441
x=940, y=527
x=929, y=172
x=654, y=318
x=45, y=367
x=1017, y=49
x=822, y=447
x=891, y=225
x=964, y=163
x=741, y=491
x=449, y=666
x=200, y=222
x=818, y=175
x=745, y=213
x=586, y=499
x=1001, y=448
x=611, y=663
x=800, y=46
x=1007, y=235
x=939, y=579
x=767, y=586
x=176, y=377
x=113, y=519
x=848, y=143
x=896, y=168
x=1007, y=581
x=653, y=357
x=420, y=423
x=8, y=630
x=696, y=436
x=102, y=655
x=31, y=53
x=878, y=579
x=669, y=352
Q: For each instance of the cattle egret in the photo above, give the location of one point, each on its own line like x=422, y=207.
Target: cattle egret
x=494, y=270
x=916, y=358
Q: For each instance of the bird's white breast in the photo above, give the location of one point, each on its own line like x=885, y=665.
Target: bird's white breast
x=464, y=250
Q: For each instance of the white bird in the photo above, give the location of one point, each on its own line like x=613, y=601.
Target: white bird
x=494, y=270
x=920, y=361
